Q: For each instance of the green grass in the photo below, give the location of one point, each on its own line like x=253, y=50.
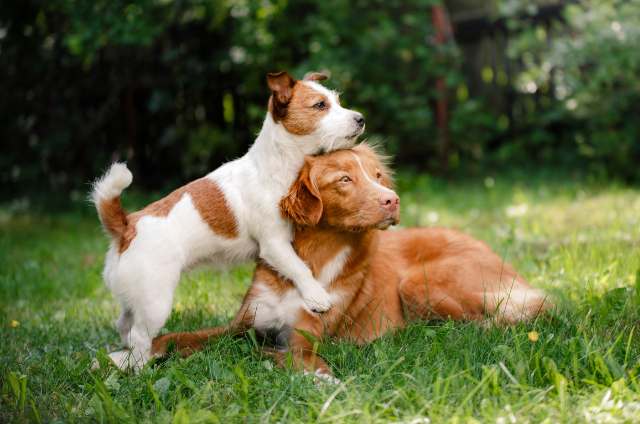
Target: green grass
x=577, y=240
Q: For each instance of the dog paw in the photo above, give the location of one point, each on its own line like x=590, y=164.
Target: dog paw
x=321, y=378
x=122, y=359
x=317, y=301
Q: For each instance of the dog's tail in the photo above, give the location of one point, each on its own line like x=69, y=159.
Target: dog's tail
x=106, y=197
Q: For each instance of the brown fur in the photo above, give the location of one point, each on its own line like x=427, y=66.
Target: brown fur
x=282, y=85
x=315, y=77
x=113, y=217
x=302, y=204
x=292, y=103
x=389, y=279
x=207, y=198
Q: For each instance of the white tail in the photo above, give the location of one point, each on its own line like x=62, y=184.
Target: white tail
x=117, y=178
x=106, y=197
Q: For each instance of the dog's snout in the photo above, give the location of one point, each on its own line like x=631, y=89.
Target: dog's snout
x=389, y=201
x=359, y=119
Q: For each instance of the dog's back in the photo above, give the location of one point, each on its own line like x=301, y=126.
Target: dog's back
x=444, y=273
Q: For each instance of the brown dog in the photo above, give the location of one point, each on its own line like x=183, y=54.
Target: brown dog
x=380, y=279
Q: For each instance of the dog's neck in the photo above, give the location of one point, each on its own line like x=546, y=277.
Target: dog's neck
x=318, y=246
x=278, y=155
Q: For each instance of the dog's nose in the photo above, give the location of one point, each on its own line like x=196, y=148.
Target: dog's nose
x=359, y=119
x=389, y=201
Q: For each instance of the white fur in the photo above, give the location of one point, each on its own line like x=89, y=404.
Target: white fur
x=145, y=276
x=272, y=311
x=320, y=378
x=334, y=267
x=112, y=183
x=376, y=184
x=519, y=304
x=515, y=303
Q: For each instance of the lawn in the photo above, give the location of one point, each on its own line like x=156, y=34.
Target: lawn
x=579, y=240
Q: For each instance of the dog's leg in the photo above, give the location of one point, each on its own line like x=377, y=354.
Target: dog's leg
x=280, y=255
x=123, y=324
x=150, y=304
x=189, y=342
x=305, y=355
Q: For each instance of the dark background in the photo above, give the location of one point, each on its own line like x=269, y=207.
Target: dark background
x=175, y=88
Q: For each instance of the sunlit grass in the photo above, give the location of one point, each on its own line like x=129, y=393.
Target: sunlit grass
x=576, y=240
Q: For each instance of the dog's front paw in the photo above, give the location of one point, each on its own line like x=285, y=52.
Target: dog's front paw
x=321, y=378
x=124, y=360
x=317, y=300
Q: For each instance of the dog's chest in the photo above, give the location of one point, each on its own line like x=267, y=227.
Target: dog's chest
x=279, y=311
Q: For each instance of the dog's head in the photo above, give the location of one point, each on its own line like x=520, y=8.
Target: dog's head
x=348, y=190
x=312, y=113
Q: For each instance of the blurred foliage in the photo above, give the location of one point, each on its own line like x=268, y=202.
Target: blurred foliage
x=178, y=87
x=578, y=89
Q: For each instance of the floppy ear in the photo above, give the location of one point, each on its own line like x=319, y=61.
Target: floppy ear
x=282, y=85
x=303, y=203
x=316, y=77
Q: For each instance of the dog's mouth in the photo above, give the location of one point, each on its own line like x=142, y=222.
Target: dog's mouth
x=387, y=222
x=356, y=133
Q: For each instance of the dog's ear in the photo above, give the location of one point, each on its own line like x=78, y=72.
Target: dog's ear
x=282, y=85
x=316, y=77
x=303, y=204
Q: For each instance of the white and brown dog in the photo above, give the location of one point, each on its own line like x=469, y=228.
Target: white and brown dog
x=230, y=215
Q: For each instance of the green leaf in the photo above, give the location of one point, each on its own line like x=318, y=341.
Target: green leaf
x=34, y=416
x=616, y=370
x=184, y=380
x=155, y=396
x=14, y=383
x=313, y=340
x=242, y=387
x=162, y=386
x=504, y=352
x=181, y=417
x=205, y=416
x=220, y=371
x=104, y=360
x=613, y=304
x=104, y=406
x=112, y=382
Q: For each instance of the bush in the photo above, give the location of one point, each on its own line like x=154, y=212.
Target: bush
x=590, y=68
x=178, y=87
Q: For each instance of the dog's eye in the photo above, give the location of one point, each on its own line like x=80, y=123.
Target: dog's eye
x=321, y=105
x=378, y=175
x=345, y=179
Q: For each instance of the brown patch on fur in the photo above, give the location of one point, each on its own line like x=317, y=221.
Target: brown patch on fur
x=282, y=85
x=208, y=200
x=213, y=208
x=316, y=76
x=113, y=216
x=302, y=117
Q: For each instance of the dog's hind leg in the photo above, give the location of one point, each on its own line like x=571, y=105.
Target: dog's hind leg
x=147, y=309
x=189, y=342
x=123, y=324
